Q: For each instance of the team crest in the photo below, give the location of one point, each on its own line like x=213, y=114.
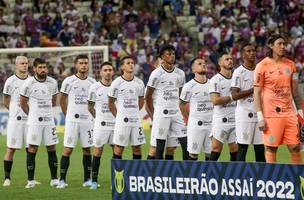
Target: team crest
x=287, y=71
x=14, y=141
x=161, y=131
x=245, y=136
x=119, y=181
x=271, y=138
x=121, y=137
x=70, y=140
x=34, y=137
x=195, y=145
x=98, y=142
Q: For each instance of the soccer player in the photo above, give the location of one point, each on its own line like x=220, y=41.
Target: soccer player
x=104, y=120
x=126, y=99
x=78, y=123
x=247, y=131
x=196, y=93
x=275, y=90
x=223, y=122
x=163, y=90
x=37, y=98
x=16, y=127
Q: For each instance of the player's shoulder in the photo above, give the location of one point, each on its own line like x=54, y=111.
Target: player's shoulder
x=264, y=63
x=50, y=80
x=91, y=80
x=157, y=71
x=178, y=71
x=190, y=84
x=288, y=61
x=117, y=81
x=138, y=81
x=215, y=78
x=70, y=79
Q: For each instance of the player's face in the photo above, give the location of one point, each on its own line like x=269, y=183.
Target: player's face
x=226, y=61
x=249, y=53
x=82, y=65
x=41, y=71
x=200, y=66
x=278, y=47
x=107, y=72
x=128, y=65
x=169, y=57
x=22, y=65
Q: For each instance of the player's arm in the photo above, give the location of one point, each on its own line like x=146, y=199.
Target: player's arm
x=149, y=101
x=296, y=93
x=237, y=94
x=257, y=99
x=141, y=102
x=6, y=100
x=54, y=100
x=24, y=104
x=112, y=106
x=63, y=102
x=91, y=108
x=183, y=108
x=217, y=99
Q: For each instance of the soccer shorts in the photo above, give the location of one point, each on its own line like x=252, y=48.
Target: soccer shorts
x=123, y=135
x=38, y=132
x=75, y=130
x=248, y=133
x=198, y=140
x=281, y=130
x=223, y=132
x=16, y=135
x=101, y=137
x=171, y=141
x=165, y=127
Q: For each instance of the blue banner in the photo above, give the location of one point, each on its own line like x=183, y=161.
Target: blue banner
x=149, y=179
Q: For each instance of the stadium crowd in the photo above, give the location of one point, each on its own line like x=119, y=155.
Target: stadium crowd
x=139, y=32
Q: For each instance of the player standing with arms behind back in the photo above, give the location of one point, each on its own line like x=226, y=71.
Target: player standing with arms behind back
x=104, y=119
x=223, y=122
x=246, y=128
x=78, y=123
x=126, y=99
x=275, y=89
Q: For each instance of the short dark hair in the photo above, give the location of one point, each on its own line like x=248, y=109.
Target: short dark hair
x=164, y=48
x=221, y=54
x=38, y=61
x=193, y=60
x=246, y=44
x=105, y=63
x=122, y=60
x=81, y=56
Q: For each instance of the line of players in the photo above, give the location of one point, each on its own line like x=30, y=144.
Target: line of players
x=214, y=117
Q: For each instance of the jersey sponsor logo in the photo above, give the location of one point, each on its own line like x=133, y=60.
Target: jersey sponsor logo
x=195, y=145
x=119, y=181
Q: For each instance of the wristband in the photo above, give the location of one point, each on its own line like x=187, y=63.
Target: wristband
x=260, y=116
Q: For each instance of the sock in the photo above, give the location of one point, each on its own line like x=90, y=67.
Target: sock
x=160, y=147
x=87, y=167
x=242, y=151
x=7, y=168
x=30, y=163
x=150, y=157
x=169, y=157
x=233, y=156
x=64, y=166
x=296, y=157
x=95, y=168
x=53, y=163
x=271, y=157
x=183, y=143
x=192, y=158
x=214, y=155
x=116, y=156
x=207, y=158
x=136, y=157
x=259, y=150
x=26, y=149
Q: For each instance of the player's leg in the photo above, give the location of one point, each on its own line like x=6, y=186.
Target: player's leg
x=206, y=146
x=232, y=143
x=152, y=152
x=179, y=129
x=50, y=141
x=171, y=147
x=243, y=136
x=258, y=145
x=218, y=138
x=195, y=141
x=137, y=138
x=160, y=128
x=7, y=164
x=97, y=152
x=120, y=140
x=271, y=154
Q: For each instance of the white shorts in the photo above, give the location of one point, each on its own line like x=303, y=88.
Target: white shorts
x=248, y=133
x=102, y=137
x=16, y=135
x=168, y=126
x=198, y=140
x=125, y=134
x=75, y=130
x=223, y=132
x=37, y=132
x=171, y=141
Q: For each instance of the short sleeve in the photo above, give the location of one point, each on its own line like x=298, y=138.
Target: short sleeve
x=185, y=94
x=55, y=89
x=236, y=80
x=153, y=80
x=25, y=89
x=141, y=89
x=182, y=80
x=213, y=86
x=258, y=76
x=66, y=86
x=113, y=92
x=7, y=88
x=92, y=94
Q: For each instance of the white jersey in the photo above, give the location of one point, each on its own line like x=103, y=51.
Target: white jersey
x=40, y=94
x=98, y=93
x=12, y=88
x=243, y=79
x=166, y=90
x=201, y=107
x=127, y=94
x=77, y=90
x=222, y=113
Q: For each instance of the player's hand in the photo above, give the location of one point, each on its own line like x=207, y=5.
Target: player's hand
x=262, y=125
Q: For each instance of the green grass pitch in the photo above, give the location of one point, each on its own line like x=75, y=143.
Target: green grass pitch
x=75, y=173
